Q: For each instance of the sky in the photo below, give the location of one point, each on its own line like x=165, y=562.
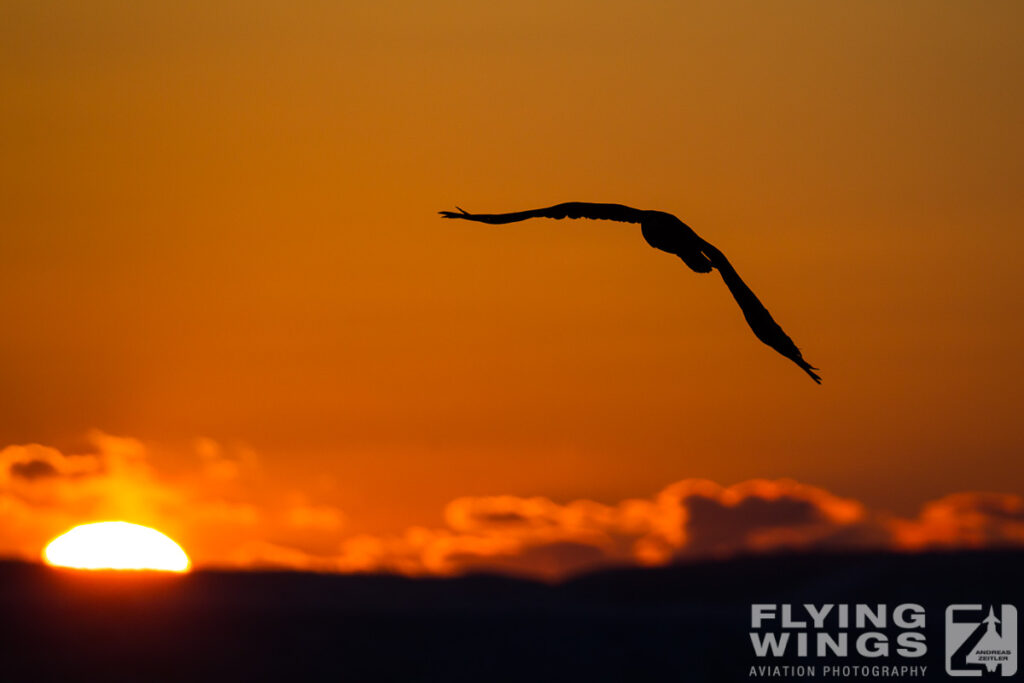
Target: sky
x=223, y=266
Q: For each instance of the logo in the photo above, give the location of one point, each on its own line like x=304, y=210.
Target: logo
x=837, y=641
x=981, y=640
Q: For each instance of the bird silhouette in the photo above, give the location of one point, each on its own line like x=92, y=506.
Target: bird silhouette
x=666, y=232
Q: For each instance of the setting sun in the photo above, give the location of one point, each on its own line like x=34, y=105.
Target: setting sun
x=116, y=545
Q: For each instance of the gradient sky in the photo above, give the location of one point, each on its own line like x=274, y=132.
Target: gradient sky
x=218, y=221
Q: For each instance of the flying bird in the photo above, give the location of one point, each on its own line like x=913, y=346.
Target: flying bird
x=666, y=232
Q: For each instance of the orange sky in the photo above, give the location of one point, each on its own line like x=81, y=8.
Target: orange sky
x=218, y=222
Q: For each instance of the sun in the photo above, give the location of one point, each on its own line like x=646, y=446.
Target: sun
x=116, y=545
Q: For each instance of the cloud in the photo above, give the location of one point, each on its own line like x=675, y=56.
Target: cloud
x=756, y=516
x=32, y=469
x=689, y=520
x=227, y=514
x=219, y=509
x=964, y=520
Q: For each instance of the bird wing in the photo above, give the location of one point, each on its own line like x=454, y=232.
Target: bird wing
x=610, y=212
x=757, y=316
x=760, y=320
